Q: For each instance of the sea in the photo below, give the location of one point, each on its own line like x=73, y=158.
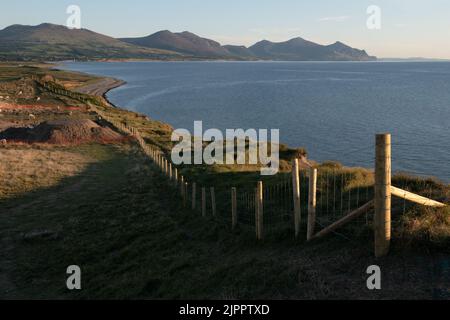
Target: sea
x=333, y=109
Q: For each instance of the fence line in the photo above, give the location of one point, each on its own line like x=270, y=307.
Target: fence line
x=325, y=195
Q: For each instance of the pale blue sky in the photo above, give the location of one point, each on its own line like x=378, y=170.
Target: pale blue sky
x=410, y=28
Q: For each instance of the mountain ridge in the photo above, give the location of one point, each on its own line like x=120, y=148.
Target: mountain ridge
x=296, y=49
x=55, y=42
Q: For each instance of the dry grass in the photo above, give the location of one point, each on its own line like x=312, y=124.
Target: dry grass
x=26, y=168
x=424, y=225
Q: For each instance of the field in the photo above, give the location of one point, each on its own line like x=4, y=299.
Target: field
x=108, y=209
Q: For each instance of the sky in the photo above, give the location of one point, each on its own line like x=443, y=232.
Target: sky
x=409, y=28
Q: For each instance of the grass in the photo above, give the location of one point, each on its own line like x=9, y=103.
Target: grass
x=133, y=240
x=26, y=169
x=106, y=209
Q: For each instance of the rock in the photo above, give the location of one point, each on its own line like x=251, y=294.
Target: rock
x=32, y=116
x=3, y=142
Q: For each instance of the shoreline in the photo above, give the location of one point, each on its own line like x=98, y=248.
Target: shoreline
x=107, y=84
x=101, y=88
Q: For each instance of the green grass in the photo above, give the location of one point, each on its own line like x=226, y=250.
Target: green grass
x=123, y=225
x=118, y=219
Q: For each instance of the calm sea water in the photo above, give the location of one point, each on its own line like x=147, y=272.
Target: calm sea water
x=332, y=109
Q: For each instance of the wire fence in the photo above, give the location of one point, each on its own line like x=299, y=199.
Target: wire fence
x=305, y=199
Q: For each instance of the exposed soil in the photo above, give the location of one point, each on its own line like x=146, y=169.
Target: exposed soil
x=6, y=107
x=62, y=132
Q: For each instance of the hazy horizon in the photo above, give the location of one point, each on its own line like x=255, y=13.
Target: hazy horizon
x=408, y=28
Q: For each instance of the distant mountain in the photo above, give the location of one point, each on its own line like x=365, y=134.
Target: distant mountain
x=299, y=49
x=185, y=42
x=54, y=42
x=296, y=49
x=240, y=51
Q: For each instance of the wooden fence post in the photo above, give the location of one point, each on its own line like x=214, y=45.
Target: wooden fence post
x=175, y=176
x=382, y=198
x=312, y=202
x=213, y=201
x=255, y=198
x=296, y=196
x=170, y=171
x=182, y=186
x=203, y=202
x=259, y=210
x=186, y=195
x=194, y=187
x=234, y=218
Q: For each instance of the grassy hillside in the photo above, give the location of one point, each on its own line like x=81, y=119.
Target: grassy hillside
x=106, y=208
x=151, y=247
x=48, y=42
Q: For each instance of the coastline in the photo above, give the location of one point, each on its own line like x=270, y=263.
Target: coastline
x=105, y=84
x=101, y=88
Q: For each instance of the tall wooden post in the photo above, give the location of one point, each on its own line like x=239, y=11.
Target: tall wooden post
x=194, y=187
x=296, y=196
x=170, y=171
x=312, y=202
x=382, y=222
x=234, y=218
x=203, y=202
x=259, y=210
x=213, y=201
